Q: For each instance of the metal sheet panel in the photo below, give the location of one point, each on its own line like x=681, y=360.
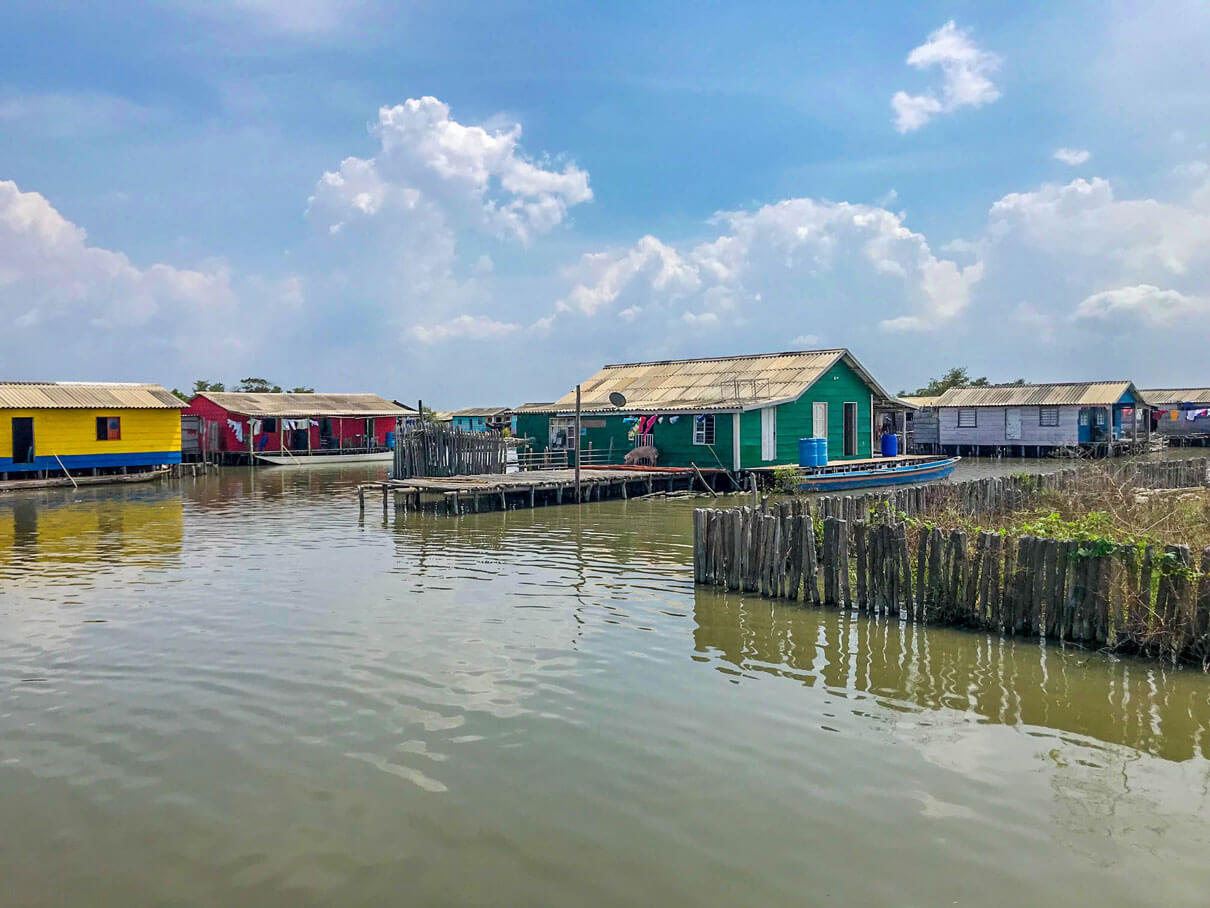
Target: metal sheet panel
x=1078, y=394
x=87, y=396
x=285, y=404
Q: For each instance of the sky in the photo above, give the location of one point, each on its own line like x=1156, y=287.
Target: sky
x=481, y=204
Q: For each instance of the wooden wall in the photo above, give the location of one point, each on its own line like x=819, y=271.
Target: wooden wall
x=991, y=428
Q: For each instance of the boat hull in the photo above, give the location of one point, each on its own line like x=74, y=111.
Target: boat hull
x=882, y=476
x=303, y=460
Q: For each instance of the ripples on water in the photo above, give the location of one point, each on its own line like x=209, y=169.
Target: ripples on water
x=235, y=691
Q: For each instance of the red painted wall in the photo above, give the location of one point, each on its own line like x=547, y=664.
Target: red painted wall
x=270, y=441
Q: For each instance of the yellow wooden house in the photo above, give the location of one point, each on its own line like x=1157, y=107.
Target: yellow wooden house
x=86, y=428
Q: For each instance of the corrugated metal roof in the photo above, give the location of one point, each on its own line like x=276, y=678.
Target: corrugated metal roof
x=36, y=395
x=535, y=406
x=285, y=404
x=1161, y=396
x=918, y=400
x=718, y=383
x=1069, y=394
x=481, y=411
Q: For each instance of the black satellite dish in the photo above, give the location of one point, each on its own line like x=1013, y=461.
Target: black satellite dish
x=617, y=398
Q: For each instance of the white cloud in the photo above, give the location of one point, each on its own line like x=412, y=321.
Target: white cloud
x=471, y=327
x=433, y=169
x=779, y=262
x=1072, y=156
x=806, y=340
x=1144, y=302
x=966, y=81
x=49, y=272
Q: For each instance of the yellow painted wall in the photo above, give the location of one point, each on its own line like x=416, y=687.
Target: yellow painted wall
x=66, y=432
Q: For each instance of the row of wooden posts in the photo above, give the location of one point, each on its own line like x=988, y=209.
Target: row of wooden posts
x=438, y=449
x=1156, y=602
x=1007, y=493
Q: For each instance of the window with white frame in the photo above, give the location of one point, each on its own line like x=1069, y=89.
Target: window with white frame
x=703, y=430
x=968, y=419
x=1048, y=416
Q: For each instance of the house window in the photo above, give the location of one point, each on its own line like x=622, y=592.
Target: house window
x=703, y=430
x=563, y=432
x=968, y=419
x=109, y=428
x=269, y=424
x=1083, y=417
x=1048, y=416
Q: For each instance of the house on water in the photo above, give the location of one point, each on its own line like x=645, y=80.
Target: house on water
x=1036, y=420
x=50, y=429
x=923, y=428
x=237, y=426
x=484, y=419
x=734, y=412
x=1180, y=415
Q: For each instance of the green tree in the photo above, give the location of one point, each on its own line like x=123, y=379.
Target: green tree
x=257, y=386
x=202, y=385
x=957, y=377
x=302, y=390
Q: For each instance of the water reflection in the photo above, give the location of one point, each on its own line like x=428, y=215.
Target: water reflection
x=58, y=534
x=1140, y=704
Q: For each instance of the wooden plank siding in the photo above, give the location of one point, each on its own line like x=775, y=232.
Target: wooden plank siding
x=991, y=427
x=149, y=437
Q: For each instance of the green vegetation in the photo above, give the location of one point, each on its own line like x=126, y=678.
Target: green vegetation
x=786, y=479
x=956, y=377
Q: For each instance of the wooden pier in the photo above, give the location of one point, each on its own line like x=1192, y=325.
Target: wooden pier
x=453, y=495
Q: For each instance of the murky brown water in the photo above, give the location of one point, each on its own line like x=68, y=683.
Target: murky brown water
x=233, y=691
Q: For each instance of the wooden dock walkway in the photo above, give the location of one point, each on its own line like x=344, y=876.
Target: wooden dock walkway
x=454, y=495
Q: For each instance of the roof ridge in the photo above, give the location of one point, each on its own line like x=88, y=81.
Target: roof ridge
x=717, y=359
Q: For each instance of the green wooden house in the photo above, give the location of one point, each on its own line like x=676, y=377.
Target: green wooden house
x=735, y=412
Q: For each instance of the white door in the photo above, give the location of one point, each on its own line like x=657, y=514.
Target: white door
x=1012, y=424
x=768, y=433
x=819, y=419
x=735, y=440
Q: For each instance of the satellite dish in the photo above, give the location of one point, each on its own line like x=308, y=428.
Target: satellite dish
x=617, y=399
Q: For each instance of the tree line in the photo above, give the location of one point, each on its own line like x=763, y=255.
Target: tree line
x=249, y=385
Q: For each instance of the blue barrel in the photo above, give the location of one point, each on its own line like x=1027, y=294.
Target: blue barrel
x=890, y=445
x=806, y=452
x=391, y=440
x=821, y=452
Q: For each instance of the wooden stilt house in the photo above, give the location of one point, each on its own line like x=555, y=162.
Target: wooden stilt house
x=734, y=412
x=1181, y=415
x=241, y=427
x=50, y=429
x=1107, y=417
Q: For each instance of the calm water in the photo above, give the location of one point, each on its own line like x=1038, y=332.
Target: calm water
x=233, y=691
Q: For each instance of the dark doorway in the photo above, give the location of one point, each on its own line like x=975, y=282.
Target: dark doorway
x=850, y=430
x=23, y=439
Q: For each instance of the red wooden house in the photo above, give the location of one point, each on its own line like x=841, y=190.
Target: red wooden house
x=241, y=427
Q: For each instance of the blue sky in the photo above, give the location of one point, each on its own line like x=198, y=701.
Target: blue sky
x=480, y=203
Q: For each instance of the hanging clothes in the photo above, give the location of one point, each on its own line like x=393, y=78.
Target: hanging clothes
x=237, y=428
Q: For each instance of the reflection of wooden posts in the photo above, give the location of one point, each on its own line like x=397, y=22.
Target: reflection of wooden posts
x=251, y=441
x=281, y=435
x=577, y=442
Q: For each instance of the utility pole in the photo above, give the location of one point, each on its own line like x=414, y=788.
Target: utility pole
x=577, y=437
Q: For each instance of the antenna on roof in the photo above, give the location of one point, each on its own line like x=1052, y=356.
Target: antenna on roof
x=617, y=398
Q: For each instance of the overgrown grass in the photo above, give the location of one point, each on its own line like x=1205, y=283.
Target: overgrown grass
x=1100, y=508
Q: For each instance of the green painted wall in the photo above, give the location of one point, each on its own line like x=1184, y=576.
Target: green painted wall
x=675, y=440
x=838, y=385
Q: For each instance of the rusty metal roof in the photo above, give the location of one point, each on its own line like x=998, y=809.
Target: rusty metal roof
x=724, y=383
x=286, y=404
x=54, y=395
x=1060, y=394
x=481, y=411
x=1160, y=396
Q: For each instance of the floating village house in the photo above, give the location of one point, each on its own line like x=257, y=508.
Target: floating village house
x=1100, y=417
x=1181, y=415
x=923, y=431
x=237, y=426
x=734, y=413
x=86, y=428
x=484, y=419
